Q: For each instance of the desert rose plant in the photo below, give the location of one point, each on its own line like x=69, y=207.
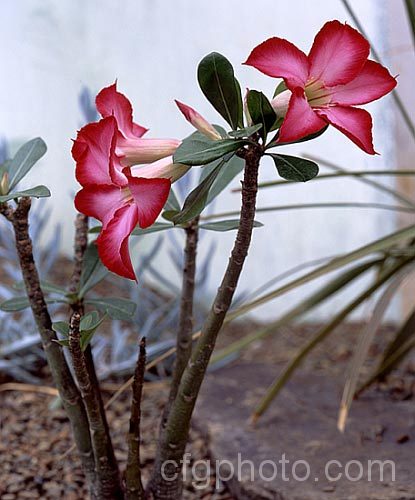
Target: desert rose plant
x=127, y=183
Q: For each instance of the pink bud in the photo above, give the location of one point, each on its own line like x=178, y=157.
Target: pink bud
x=4, y=183
x=280, y=103
x=199, y=123
x=138, y=151
x=162, y=169
x=246, y=110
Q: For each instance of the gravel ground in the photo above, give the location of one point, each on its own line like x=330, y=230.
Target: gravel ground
x=33, y=438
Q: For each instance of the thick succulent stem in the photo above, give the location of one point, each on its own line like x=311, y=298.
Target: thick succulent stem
x=185, y=330
x=134, y=485
x=108, y=478
x=61, y=374
x=77, y=308
x=166, y=482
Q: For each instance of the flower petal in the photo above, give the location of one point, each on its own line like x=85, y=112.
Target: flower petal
x=164, y=168
x=338, y=54
x=136, y=151
x=93, y=150
x=100, y=202
x=300, y=120
x=150, y=196
x=373, y=82
x=281, y=59
x=355, y=123
x=110, y=102
x=112, y=243
x=198, y=122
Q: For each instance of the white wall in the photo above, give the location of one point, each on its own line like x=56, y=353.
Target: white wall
x=49, y=49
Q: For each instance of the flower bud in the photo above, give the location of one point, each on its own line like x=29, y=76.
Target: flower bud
x=280, y=103
x=138, y=151
x=199, y=123
x=4, y=183
x=164, y=169
x=246, y=109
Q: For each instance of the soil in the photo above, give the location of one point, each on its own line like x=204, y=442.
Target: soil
x=35, y=435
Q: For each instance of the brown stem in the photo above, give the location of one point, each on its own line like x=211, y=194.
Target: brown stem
x=61, y=374
x=134, y=485
x=77, y=307
x=173, y=441
x=108, y=483
x=184, y=334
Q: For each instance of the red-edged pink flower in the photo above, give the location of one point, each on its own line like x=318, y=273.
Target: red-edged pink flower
x=325, y=85
x=125, y=179
x=199, y=123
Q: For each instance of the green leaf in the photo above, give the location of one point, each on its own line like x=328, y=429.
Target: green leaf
x=310, y=137
x=197, y=199
x=172, y=202
x=200, y=150
x=170, y=214
x=380, y=245
x=245, y=132
x=293, y=168
x=46, y=286
x=116, y=308
x=224, y=225
x=88, y=326
x=93, y=271
x=281, y=87
x=218, y=83
x=24, y=160
x=261, y=111
x=61, y=327
x=15, y=304
x=19, y=303
x=234, y=166
x=155, y=228
x=36, y=192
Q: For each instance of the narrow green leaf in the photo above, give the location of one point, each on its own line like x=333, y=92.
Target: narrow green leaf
x=36, y=192
x=225, y=225
x=200, y=150
x=324, y=332
x=315, y=299
x=261, y=111
x=362, y=348
x=19, y=303
x=245, y=132
x=379, y=245
x=116, y=308
x=46, y=286
x=307, y=138
x=281, y=87
x=395, y=352
x=172, y=202
x=170, y=214
x=155, y=228
x=233, y=167
x=293, y=168
x=24, y=160
x=218, y=83
x=197, y=199
x=93, y=271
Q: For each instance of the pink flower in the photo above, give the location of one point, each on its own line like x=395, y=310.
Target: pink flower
x=199, y=123
x=325, y=85
x=115, y=191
